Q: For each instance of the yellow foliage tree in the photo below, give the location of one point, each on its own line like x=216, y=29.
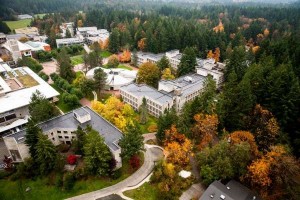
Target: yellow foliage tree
x=115, y=111
x=167, y=74
x=244, y=136
x=210, y=54
x=104, y=44
x=266, y=32
x=216, y=54
x=79, y=23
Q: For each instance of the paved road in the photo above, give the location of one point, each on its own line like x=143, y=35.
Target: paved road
x=152, y=154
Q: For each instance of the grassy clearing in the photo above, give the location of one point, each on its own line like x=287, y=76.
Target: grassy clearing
x=75, y=60
x=41, y=15
x=124, y=67
x=42, y=188
x=27, y=80
x=18, y=24
x=146, y=192
x=103, y=97
x=60, y=104
x=152, y=121
x=105, y=54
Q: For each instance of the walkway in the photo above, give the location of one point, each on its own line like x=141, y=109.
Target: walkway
x=152, y=154
x=194, y=192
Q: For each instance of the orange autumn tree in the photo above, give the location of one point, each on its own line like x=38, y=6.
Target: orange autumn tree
x=104, y=44
x=217, y=54
x=205, y=129
x=177, y=147
x=275, y=175
x=125, y=56
x=210, y=54
x=238, y=137
x=142, y=44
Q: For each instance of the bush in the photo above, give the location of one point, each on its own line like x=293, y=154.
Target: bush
x=63, y=148
x=59, y=180
x=69, y=181
x=72, y=159
x=135, y=162
x=152, y=128
x=44, y=76
x=5, y=174
x=31, y=63
x=116, y=174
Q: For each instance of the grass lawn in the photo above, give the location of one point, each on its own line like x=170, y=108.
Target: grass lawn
x=43, y=189
x=151, y=121
x=124, y=67
x=103, y=96
x=18, y=24
x=41, y=15
x=144, y=192
x=75, y=60
x=105, y=54
x=27, y=80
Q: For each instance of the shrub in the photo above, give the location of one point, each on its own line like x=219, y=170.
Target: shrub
x=72, y=159
x=63, y=148
x=116, y=174
x=69, y=181
x=44, y=76
x=135, y=162
x=31, y=63
x=152, y=128
x=59, y=180
x=5, y=174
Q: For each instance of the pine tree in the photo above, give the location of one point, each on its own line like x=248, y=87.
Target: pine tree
x=163, y=63
x=100, y=79
x=132, y=142
x=143, y=112
x=187, y=62
x=31, y=137
x=165, y=122
x=114, y=41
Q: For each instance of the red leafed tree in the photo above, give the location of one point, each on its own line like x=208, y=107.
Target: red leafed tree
x=72, y=159
x=135, y=162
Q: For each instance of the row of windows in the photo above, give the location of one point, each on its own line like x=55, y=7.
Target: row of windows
x=124, y=94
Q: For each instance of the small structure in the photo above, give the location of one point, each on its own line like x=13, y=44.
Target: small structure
x=24, y=16
x=185, y=174
x=38, y=46
x=116, y=77
x=27, y=31
x=17, y=49
x=2, y=38
x=233, y=190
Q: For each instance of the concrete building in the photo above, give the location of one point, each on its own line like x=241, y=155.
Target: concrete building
x=157, y=101
x=17, y=49
x=25, y=16
x=116, y=77
x=68, y=42
x=16, y=88
x=143, y=57
x=84, y=30
x=100, y=35
x=207, y=67
x=38, y=46
x=170, y=93
x=27, y=31
x=67, y=26
x=233, y=190
x=62, y=129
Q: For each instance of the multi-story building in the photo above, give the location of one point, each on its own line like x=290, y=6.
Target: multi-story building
x=17, y=49
x=157, y=101
x=2, y=38
x=67, y=26
x=207, y=67
x=100, y=35
x=68, y=42
x=170, y=93
x=24, y=16
x=62, y=129
x=16, y=88
x=84, y=30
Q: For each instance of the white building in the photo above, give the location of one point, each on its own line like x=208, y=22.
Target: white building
x=38, y=46
x=116, y=77
x=25, y=16
x=2, y=38
x=170, y=93
x=68, y=42
x=62, y=129
x=67, y=26
x=157, y=101
x=16, y=88
x=17, y=49
x=84, y=30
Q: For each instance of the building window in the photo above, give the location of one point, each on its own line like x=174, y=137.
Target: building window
x=65, y=131
x=58, y=131
x=53, y=139
x=60, y=137
x=66, y=137
x=52, y=133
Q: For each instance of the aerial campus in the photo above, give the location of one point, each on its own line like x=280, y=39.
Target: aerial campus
x=149, y=100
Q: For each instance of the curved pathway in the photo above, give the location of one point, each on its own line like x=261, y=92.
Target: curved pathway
x=152, y=154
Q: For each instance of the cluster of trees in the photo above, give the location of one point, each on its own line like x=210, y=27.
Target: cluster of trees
x=115, y=111
x=31, y=63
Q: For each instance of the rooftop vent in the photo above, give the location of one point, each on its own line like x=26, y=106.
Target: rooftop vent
x=228, y=188
x=20, y=138
x=222, y=196
x=212, y=195
x=81, y=115
x=188, y=79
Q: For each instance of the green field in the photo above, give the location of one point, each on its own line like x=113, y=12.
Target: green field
x=105, y=54
x=18, y=24
x=144, y=192
x=44, y=188
x=124, y=67
x=41, y=15
x=75, y=60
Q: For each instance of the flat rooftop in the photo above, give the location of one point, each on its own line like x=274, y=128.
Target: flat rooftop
x=30, y=82
x=141, y=90
x=109, y=132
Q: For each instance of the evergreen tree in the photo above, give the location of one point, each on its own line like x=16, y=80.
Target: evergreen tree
x=165, y=122
x=4, y=28
x=40, y=109
x=31, y=137
x=237, y=63
x=65, y=66
x=68, y=34
x=163, y=63
x=187, y=62
x=134, y=59
x=132, y=142
x=100, y=79
x=143, y=112
x=97, y=154
x=46, y=154
x=114, y=41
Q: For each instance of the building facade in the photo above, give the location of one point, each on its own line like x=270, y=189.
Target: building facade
x=68, y=42
x=62, y=129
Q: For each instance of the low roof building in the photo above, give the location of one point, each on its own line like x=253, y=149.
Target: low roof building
x=24, y=16
x=27, y=30
x=233, y=190
x=68, y=42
